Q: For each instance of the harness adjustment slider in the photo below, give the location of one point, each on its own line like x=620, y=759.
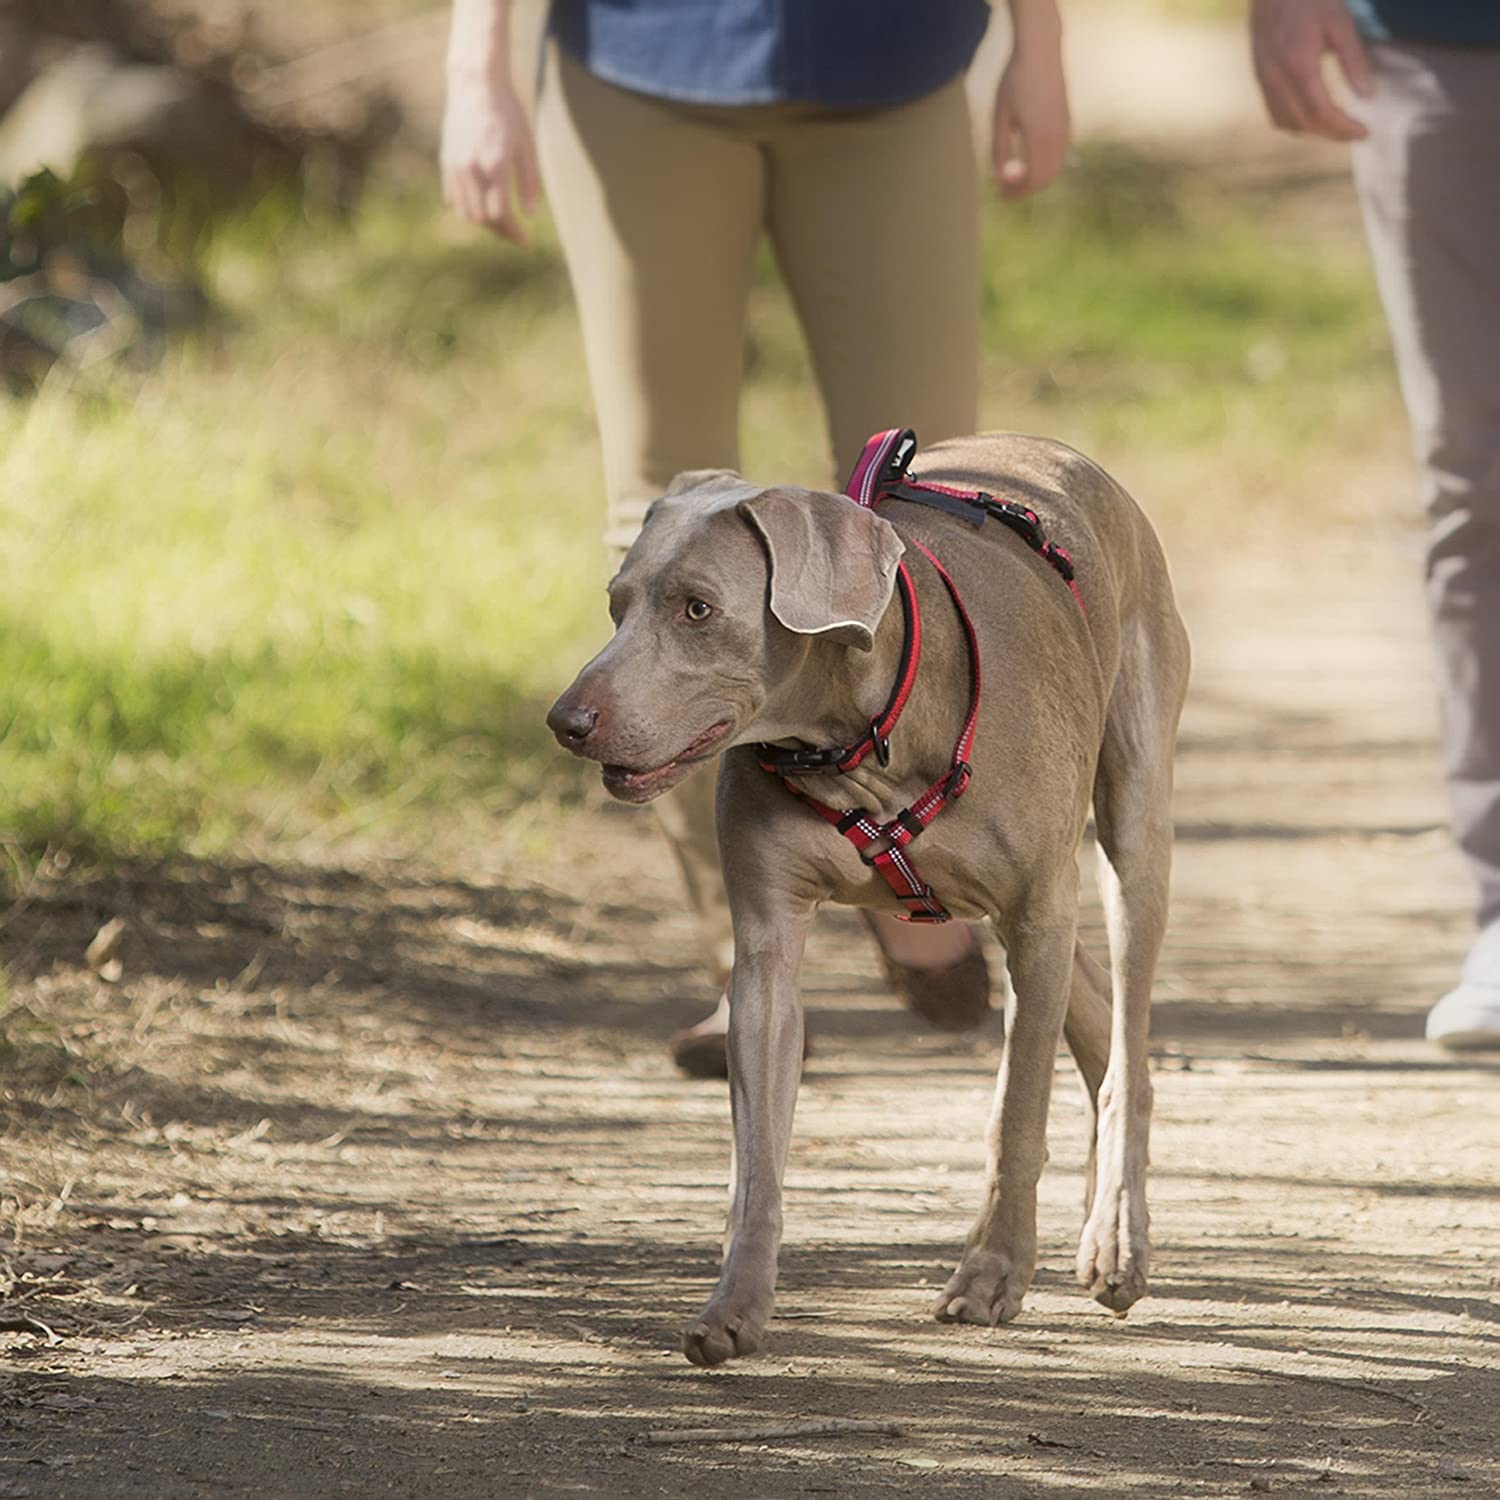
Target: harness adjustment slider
x=1059, y=559
x=920, y=912
x=910, y=822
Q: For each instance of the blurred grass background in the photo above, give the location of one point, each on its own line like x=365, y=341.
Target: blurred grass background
x=318, y=574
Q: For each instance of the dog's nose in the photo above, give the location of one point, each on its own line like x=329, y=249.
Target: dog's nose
x=571, y=724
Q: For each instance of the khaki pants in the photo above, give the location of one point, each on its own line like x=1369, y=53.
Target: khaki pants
x=661, y=205
x=1429, y=183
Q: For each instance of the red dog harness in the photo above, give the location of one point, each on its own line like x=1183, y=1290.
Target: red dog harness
x=881, y=474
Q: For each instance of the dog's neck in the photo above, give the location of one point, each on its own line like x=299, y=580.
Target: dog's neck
x=839, y=690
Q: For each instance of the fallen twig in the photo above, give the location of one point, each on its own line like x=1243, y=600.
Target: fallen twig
x=19, y=1322
x=1363, y=1387
x=826, y=1427
x=1038, y=1441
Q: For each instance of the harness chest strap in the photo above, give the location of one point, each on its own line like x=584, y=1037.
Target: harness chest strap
x=881, y=474
x=892, y=838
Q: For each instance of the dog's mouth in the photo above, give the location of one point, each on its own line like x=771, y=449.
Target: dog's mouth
x=628, y=785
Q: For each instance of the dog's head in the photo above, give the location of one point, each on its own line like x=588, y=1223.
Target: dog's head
x=718, y=606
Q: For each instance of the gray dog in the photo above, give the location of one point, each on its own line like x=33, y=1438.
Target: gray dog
x=759, y=624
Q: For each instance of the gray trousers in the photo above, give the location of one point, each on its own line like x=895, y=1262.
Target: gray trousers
x=1429, y=183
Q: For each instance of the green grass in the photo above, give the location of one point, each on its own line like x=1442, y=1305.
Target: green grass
x=1124, y=272
x=1141, y=305
x=324, y=566
x=321, y=571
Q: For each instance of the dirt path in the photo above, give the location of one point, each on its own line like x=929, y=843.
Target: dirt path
x=375, y=1180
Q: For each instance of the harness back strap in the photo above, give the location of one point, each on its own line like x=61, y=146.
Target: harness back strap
x=882, y=472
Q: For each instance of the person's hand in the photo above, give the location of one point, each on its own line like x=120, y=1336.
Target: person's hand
x=488, y=157
x=1289, y=40
x=1033, y=129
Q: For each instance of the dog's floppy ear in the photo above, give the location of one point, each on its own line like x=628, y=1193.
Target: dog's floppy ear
x=833, y=563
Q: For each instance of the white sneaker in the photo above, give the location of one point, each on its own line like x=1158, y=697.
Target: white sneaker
x=1467, y=1019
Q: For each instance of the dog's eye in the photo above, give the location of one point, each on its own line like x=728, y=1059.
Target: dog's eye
x=698, y=610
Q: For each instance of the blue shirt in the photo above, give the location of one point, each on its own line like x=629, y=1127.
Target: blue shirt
x=850, y=53
x=1449, y=23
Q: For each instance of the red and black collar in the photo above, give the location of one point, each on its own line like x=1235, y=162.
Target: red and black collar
x=840, y=758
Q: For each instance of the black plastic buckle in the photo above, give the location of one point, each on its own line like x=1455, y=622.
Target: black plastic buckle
x=958, y=780
x=882, y=743
x=1020, y=520
x=794, y=762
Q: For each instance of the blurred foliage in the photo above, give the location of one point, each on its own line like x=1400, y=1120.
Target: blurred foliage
x=88, y=273
x=41, y=212
x=107, y=213
x=84, y=217
x=309, y=572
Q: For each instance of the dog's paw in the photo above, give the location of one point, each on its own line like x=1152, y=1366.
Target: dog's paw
x=1114, y=1253
x=984, y=1289
x=728, y=1328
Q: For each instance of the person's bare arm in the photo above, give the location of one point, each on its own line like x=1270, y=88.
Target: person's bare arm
x=1289, y=40
x=488, y=157
x=1033, y=130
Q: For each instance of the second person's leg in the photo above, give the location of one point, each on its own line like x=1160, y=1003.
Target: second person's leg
x=1427, y=177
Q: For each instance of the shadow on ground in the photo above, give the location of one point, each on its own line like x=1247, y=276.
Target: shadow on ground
x=456, y=1369
x=386, y=1188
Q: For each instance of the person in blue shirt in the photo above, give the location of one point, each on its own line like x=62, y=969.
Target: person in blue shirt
x=1424, y=121
x=672, y=135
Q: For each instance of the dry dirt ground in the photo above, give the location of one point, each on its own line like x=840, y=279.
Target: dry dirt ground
x=371, y=1178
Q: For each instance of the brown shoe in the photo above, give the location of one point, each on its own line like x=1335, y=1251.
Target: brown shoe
x=955, y=997
x=702, y=1051
x=700, y=1054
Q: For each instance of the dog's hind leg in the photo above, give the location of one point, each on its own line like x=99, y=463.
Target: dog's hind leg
x=1086, y=1030
x=1132, y=814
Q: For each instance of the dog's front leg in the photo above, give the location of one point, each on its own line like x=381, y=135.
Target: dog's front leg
x=1000, y=1255
x=765, y=1067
